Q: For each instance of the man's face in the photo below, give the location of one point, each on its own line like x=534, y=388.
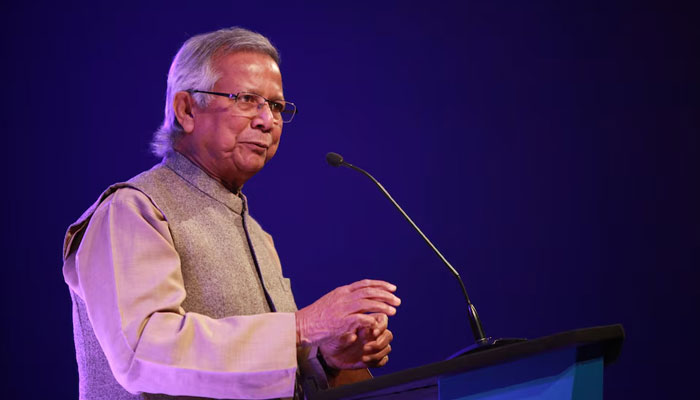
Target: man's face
x=230, y=146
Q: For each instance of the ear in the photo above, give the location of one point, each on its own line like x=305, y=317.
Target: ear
x=183, y=105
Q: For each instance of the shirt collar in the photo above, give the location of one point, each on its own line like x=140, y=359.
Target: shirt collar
x=195, y=176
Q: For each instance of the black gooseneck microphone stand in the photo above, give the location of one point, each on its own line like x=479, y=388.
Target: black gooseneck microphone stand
x=481, y=342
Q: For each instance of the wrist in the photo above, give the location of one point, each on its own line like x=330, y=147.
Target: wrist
x=297, y=327
x=330, y=370
x=302, y=341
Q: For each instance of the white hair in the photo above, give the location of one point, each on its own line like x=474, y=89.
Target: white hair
x=192, y=69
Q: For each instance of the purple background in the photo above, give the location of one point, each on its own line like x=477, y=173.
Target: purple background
x=549, y=150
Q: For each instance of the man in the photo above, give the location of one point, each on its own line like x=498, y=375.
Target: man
x=176, y=289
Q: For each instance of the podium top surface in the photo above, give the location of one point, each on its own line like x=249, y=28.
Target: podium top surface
x=605, y=341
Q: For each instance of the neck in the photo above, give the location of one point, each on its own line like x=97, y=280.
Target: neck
x=233, y=187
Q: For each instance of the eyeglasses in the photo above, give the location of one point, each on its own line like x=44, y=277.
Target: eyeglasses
x=251, y=103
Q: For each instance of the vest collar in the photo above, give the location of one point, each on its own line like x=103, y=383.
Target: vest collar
x=190, y=172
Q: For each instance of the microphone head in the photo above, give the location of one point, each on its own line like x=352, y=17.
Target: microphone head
x=334, y=159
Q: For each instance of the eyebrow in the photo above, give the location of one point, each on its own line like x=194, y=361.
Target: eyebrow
x=255, y=92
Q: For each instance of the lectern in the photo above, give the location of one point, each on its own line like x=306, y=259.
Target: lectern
x=566, y=365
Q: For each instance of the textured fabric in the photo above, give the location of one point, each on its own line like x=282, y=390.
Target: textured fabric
x=167, y=297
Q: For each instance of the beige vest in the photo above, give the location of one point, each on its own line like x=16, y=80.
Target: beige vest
x=208, y=225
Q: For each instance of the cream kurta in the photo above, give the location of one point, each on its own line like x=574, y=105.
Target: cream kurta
x=169, y=316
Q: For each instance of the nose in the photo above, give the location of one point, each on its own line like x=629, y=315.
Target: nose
x=264, y=119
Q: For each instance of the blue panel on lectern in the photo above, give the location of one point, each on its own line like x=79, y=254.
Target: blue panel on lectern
x=587, y=374
x=554, y=375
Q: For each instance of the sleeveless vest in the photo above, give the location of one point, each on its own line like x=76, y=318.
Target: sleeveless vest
x=208, y=225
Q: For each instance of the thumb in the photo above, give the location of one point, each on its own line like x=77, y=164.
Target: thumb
x=348, y=338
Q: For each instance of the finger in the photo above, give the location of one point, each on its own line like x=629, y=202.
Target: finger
x=382, y=362
x=371, y=306
x=365, y=335
x=382, y=323
x=372, y=283
x=357, y=322
x=376, y=357
x=367, y=307
x=374, y=293
x=347, y=339
x=382, y=341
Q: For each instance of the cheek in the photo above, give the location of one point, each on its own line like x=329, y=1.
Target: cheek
x=275, y=145
x=229, y=134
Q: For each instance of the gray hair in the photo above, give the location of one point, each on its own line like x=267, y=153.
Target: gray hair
x=192, y=69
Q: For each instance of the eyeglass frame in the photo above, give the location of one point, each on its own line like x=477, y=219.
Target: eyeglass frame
x=234, y=97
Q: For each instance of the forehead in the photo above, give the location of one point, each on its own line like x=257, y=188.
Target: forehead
x=248, y=68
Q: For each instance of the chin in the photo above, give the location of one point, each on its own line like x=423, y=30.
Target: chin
x=252, y=168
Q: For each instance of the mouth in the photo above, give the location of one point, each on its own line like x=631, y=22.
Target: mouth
x=257, y=147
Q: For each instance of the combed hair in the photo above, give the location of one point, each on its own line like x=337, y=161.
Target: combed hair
x=192, y=69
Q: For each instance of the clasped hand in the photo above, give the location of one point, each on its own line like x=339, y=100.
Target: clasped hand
x=349, y=324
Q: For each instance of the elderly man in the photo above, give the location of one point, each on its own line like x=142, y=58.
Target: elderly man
x=176, y=290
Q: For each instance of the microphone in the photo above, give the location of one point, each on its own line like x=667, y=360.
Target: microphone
x=334, y=159
x=480, y=339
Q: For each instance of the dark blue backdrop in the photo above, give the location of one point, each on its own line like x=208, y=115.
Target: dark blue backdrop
x=549, y=150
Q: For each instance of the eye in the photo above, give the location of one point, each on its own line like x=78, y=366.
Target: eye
x=248, y=98
x=276, y=107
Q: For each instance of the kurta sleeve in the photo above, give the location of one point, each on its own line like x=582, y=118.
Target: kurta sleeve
x=128, y=274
